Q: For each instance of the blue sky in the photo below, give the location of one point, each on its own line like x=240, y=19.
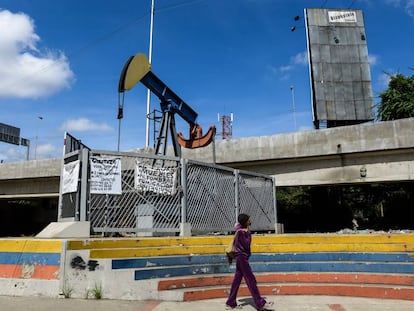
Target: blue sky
x=61, y=61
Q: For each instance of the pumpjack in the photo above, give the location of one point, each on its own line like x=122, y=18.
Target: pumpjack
x=138, y=69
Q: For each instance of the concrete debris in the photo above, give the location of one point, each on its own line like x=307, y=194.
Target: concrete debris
x=370, y=231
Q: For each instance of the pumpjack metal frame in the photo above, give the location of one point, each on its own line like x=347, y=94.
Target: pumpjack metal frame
x=138, y=69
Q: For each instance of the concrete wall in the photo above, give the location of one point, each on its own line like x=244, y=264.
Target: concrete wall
x=30, y=267
x=136, y=268
x=37, y=178
x=366, y=153
x=369, y=137
x=30, y=169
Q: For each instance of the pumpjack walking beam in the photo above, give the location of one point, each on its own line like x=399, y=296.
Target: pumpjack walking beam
x=138, y=69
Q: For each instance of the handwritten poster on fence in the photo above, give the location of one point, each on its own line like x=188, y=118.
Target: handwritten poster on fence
x=105, y=175
x=70, y=177
x=161, y=180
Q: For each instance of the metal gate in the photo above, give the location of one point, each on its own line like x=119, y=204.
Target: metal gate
x=205, y=198
x=136, y=210
x=217, y=194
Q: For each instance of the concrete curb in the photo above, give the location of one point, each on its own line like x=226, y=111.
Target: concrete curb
x=286, y=303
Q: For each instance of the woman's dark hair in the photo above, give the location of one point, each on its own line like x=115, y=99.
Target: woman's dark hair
x=242, y=219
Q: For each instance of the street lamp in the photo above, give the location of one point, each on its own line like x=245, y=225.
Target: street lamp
x=37, y=130
x=147, y=133
x=292, y=90
x=293, y=28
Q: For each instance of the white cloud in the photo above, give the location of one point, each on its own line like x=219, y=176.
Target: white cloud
x=299, y=59
x=395, y=3
x=83, y=125
x=373, y=59
x=13, y=154
x=25, y=71
x=45, y=151
x=383, y=80
x=407, y=5
x=286, y=68
x=16, y=32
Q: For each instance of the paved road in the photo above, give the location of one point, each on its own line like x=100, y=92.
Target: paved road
x=285, y=303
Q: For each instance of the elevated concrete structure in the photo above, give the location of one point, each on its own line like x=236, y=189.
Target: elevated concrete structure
x=367, y=153
x=30, y=179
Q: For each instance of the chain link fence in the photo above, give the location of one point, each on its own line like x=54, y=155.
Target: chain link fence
x=158, y=195
x=138, y=209
x=217, y=194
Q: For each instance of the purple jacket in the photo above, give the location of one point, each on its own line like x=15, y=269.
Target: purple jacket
x=242, y=242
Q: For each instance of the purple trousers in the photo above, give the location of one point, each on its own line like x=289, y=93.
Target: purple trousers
x=243, y=270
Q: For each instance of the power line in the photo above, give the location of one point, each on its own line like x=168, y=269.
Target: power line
x=108, y=35
x=352, y=3
x=324, y=3
x=177, y=5
x=349, y=6
x=82, y=48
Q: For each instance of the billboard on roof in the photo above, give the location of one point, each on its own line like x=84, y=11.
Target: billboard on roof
x=339, y=67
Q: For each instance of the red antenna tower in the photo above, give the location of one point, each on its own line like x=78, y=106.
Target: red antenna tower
x=226, y=126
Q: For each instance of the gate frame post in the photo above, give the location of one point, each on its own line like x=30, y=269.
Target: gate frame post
x=83, y=209
x=185, y=227
x=236, y=194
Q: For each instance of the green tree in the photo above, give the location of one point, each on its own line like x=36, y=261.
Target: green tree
x=397, y=102
x=294, y=209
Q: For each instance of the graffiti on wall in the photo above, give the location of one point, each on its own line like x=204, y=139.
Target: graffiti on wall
x=78, y=263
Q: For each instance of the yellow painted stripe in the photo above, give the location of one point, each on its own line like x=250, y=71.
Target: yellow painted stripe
x=327, y=238
x=30, y=245
x=224, y=240
x=276, y=248
x=338, y=247
x=145, y=242
x=155, y=251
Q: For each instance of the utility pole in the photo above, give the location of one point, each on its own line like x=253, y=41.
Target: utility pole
x=36, y=138
x=147, y=133
x=292, y=89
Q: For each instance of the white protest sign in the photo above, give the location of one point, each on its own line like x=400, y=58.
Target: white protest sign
x=70, y=177
x=161, y=180
x=105, y=175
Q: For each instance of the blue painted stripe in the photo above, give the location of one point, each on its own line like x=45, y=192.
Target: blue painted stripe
x=334, y=267
x=17, y=258
x=182, y=271
x=167, y=261
x=370, y=257
x=149, y=262
x=339, y=267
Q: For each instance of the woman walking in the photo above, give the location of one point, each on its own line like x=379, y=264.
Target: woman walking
x=242, y=242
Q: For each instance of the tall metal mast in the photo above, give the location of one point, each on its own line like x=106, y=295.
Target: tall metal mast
x=147, y=129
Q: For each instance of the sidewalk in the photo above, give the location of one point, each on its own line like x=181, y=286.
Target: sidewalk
x=282, y=303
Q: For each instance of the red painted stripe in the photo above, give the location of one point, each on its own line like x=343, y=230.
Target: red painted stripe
x=347, y=278
x=336, y=307
x=194, y=282
x=309, y=289
x=149, y=306
x=352, y=278
x=342, y=290
x=29, y=272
